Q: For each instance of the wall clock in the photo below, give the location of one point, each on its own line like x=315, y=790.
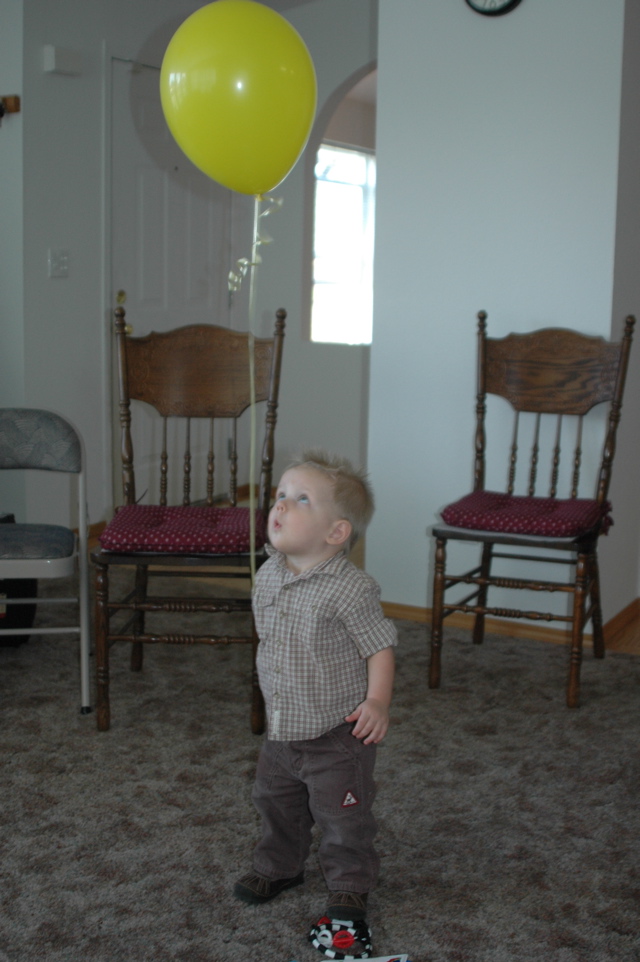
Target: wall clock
x=493, y=8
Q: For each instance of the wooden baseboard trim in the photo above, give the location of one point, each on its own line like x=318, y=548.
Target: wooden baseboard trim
x=616, y=630
x=407, y=612
x=518, y=629
x=95, y=530
x=618, y=626
x=495, y=626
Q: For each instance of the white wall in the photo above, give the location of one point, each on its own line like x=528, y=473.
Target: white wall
x=12, y=496
x=497, y=153
x=619, y=552
x=323, y=399
x=63, y=161
x=497, y=144
x=353, y=124
x=66, y=321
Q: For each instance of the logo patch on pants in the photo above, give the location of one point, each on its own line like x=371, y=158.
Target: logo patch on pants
x=349, y=799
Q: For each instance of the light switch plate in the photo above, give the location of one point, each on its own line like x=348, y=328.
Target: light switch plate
x=58, y=261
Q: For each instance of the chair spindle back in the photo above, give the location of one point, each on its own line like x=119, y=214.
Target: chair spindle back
x=198, y=373
x=551, y=373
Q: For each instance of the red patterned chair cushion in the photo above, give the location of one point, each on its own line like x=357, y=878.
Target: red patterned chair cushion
x=181, y=530
x=516, y=514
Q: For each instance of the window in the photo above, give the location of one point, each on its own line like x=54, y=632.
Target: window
x=342, y=299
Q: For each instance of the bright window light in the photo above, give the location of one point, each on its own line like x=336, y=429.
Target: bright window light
x=342, y=300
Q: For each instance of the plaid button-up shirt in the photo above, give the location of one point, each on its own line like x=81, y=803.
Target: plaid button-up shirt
x=316, y=631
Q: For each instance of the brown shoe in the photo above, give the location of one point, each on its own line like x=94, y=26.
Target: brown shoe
x=347, y=906
x=255, y=889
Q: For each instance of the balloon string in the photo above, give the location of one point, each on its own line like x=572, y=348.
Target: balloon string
x=243, y=266
x=246, y=264
x=252, y=389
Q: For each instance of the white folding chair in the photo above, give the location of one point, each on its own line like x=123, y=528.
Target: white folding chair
x=32, y=438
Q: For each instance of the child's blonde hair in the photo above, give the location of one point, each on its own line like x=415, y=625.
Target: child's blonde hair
x=351, y=489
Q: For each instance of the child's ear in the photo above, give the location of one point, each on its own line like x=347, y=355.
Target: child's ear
x=340, y=532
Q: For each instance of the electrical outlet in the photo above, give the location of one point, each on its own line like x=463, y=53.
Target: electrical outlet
x=58, y=261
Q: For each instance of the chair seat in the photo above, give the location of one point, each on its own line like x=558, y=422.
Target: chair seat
x=35, y=541
x=518, y=514
x=181, y=530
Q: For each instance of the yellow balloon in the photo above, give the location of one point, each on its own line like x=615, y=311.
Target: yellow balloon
x=238, y=91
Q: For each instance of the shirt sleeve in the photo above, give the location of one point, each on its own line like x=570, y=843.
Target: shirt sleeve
x=366, y=624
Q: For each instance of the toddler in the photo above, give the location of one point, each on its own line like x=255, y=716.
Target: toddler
x=325, y=664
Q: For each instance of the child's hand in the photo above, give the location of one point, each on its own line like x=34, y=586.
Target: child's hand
x=371, y=719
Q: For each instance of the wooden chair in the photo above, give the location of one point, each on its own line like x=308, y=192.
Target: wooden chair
x=551, y=375
x=40, y=440
x=200, y=375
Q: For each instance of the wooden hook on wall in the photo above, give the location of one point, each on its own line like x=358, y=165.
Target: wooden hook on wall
x=9, y=105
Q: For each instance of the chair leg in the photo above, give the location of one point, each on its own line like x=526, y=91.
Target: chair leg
x=137, y=647
x=85, y=631
x=596, y=609
x=437, y=612
x=103, y=713
x=579, y=599
x=485, y=570
x=258, y=721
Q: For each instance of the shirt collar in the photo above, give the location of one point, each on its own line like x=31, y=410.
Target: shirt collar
x=330, y=567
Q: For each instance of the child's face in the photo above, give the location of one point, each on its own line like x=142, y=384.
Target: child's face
x=303, y=519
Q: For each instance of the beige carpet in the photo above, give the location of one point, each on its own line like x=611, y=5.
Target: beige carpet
x=508, y=825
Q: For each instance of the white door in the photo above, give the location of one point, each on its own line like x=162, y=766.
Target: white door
x=175, y=234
